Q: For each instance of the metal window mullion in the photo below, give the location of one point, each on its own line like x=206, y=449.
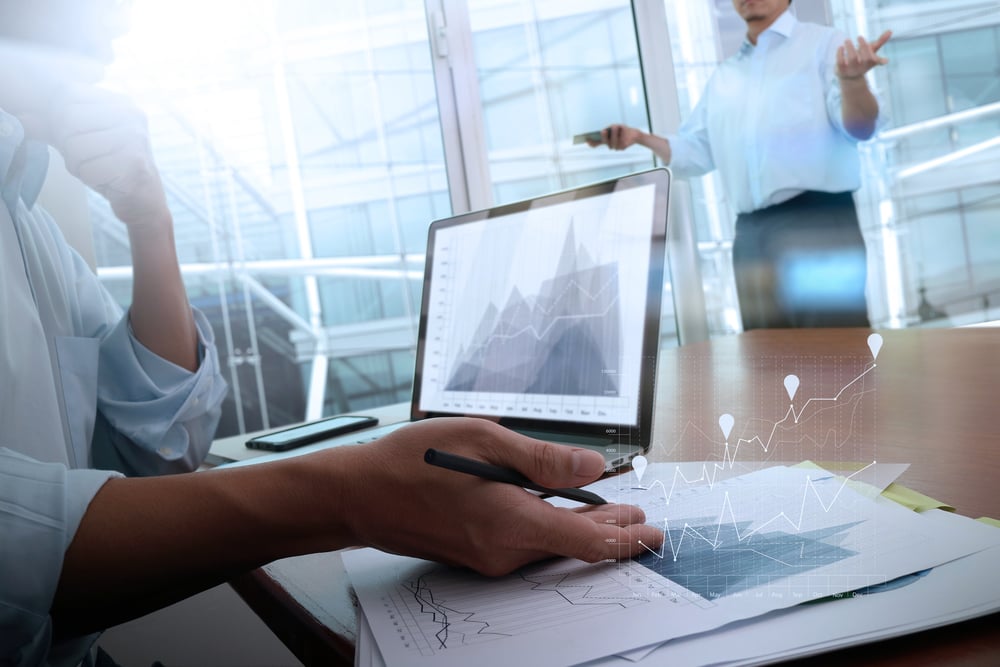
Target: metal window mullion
x=460, y=105
x=316, y=392
x=660, y=87
x=240, y=268
x=227, y=327
x=540, y=85
x=380, y=127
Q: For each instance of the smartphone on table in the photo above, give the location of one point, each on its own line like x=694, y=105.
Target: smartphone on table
x=304, y=434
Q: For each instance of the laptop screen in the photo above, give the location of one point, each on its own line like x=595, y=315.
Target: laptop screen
x=544, y=314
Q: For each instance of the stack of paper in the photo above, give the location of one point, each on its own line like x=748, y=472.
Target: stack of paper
x=762, y=566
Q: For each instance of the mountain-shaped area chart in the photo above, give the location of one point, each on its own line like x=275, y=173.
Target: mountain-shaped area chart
x=719, y=560
x=566, y=340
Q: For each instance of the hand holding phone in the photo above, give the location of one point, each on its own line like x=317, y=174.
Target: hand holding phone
x=589, y=138
x=304, y=434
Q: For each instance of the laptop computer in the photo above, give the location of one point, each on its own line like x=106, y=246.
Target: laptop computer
x=544, y=315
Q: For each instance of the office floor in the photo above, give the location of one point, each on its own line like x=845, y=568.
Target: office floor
x=214, y=628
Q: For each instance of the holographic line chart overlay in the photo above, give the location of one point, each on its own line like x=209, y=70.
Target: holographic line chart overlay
x=842, y=406
x=767, y=530
x=733, y=548
x=725, y=531
x=747, y=546
x=720, y=561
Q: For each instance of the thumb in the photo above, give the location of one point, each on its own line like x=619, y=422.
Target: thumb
x=551, y=464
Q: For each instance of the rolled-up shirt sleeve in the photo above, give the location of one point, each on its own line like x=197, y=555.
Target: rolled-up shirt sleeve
x=41, y=506
x=690, y=150
x=155, y=417
x=152, y=417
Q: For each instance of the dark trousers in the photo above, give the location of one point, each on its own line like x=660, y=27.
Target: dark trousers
x=801, y=263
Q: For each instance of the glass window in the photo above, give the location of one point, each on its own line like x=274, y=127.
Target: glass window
x=301, y=148
x=547, y=71
x=933, y=173
x=301, y=151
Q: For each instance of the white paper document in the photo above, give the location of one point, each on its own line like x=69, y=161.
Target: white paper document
x=956, y=591
x=949, y=593
x=734, y=549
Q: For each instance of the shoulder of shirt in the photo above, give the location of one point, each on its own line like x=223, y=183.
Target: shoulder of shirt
x=791, y=28
x=813, y=32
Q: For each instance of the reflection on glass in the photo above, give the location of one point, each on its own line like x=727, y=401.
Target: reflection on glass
x=549, y=70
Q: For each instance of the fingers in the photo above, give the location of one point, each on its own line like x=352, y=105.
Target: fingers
x=610, y=135
x=82, y=110
x=621, y=515
x=490, y=527
x=593, y=536
x=883, y=38
x=850, y=53
x=867, y=54
x=618, y=137
x=104, y=140
x=546, y=463
x=853, y=62
x=79, y=149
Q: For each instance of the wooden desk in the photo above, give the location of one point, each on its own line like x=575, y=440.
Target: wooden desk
x=933, y=401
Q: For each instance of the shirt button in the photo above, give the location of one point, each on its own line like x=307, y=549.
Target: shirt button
x=164, y=451
x=6, y=128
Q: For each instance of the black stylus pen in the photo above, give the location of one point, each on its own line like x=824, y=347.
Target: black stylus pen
x=505, y=475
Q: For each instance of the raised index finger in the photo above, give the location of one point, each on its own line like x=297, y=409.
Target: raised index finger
x=882, y=39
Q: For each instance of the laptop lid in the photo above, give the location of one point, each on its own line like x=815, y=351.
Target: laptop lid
x=544, y=314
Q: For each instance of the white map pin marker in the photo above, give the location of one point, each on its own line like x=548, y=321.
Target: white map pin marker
x=791, y=385
x=639, y=464
x=875, y=344
x=726, y=424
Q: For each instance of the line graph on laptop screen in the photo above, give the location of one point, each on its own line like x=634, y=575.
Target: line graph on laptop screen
x=539, y=313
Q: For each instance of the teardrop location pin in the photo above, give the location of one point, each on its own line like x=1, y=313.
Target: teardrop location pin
x=639, y=464
x=791, y=386
x=875, y=344
x=726, y=422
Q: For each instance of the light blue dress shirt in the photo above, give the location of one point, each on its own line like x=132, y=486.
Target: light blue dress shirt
x=770, y=120
x=81, y=401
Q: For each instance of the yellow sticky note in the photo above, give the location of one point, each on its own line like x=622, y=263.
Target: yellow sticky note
x=913, y=499
x=989, y=521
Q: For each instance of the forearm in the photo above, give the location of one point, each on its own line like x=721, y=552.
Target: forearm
x=147, y=542
x=657, y=144
x=859, y=108
x=160, y=314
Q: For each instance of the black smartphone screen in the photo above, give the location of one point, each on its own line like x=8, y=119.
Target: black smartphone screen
x=305, y=434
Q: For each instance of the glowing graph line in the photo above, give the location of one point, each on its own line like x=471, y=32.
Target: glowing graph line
x=551, y=323
x=727, y=503
x=555, y=301
x=729, y=453
x=791, y=408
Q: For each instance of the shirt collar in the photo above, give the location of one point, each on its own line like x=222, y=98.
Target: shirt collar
x=23, y=163
x=784, y=25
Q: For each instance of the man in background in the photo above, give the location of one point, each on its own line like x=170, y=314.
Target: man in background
x=780, y=120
